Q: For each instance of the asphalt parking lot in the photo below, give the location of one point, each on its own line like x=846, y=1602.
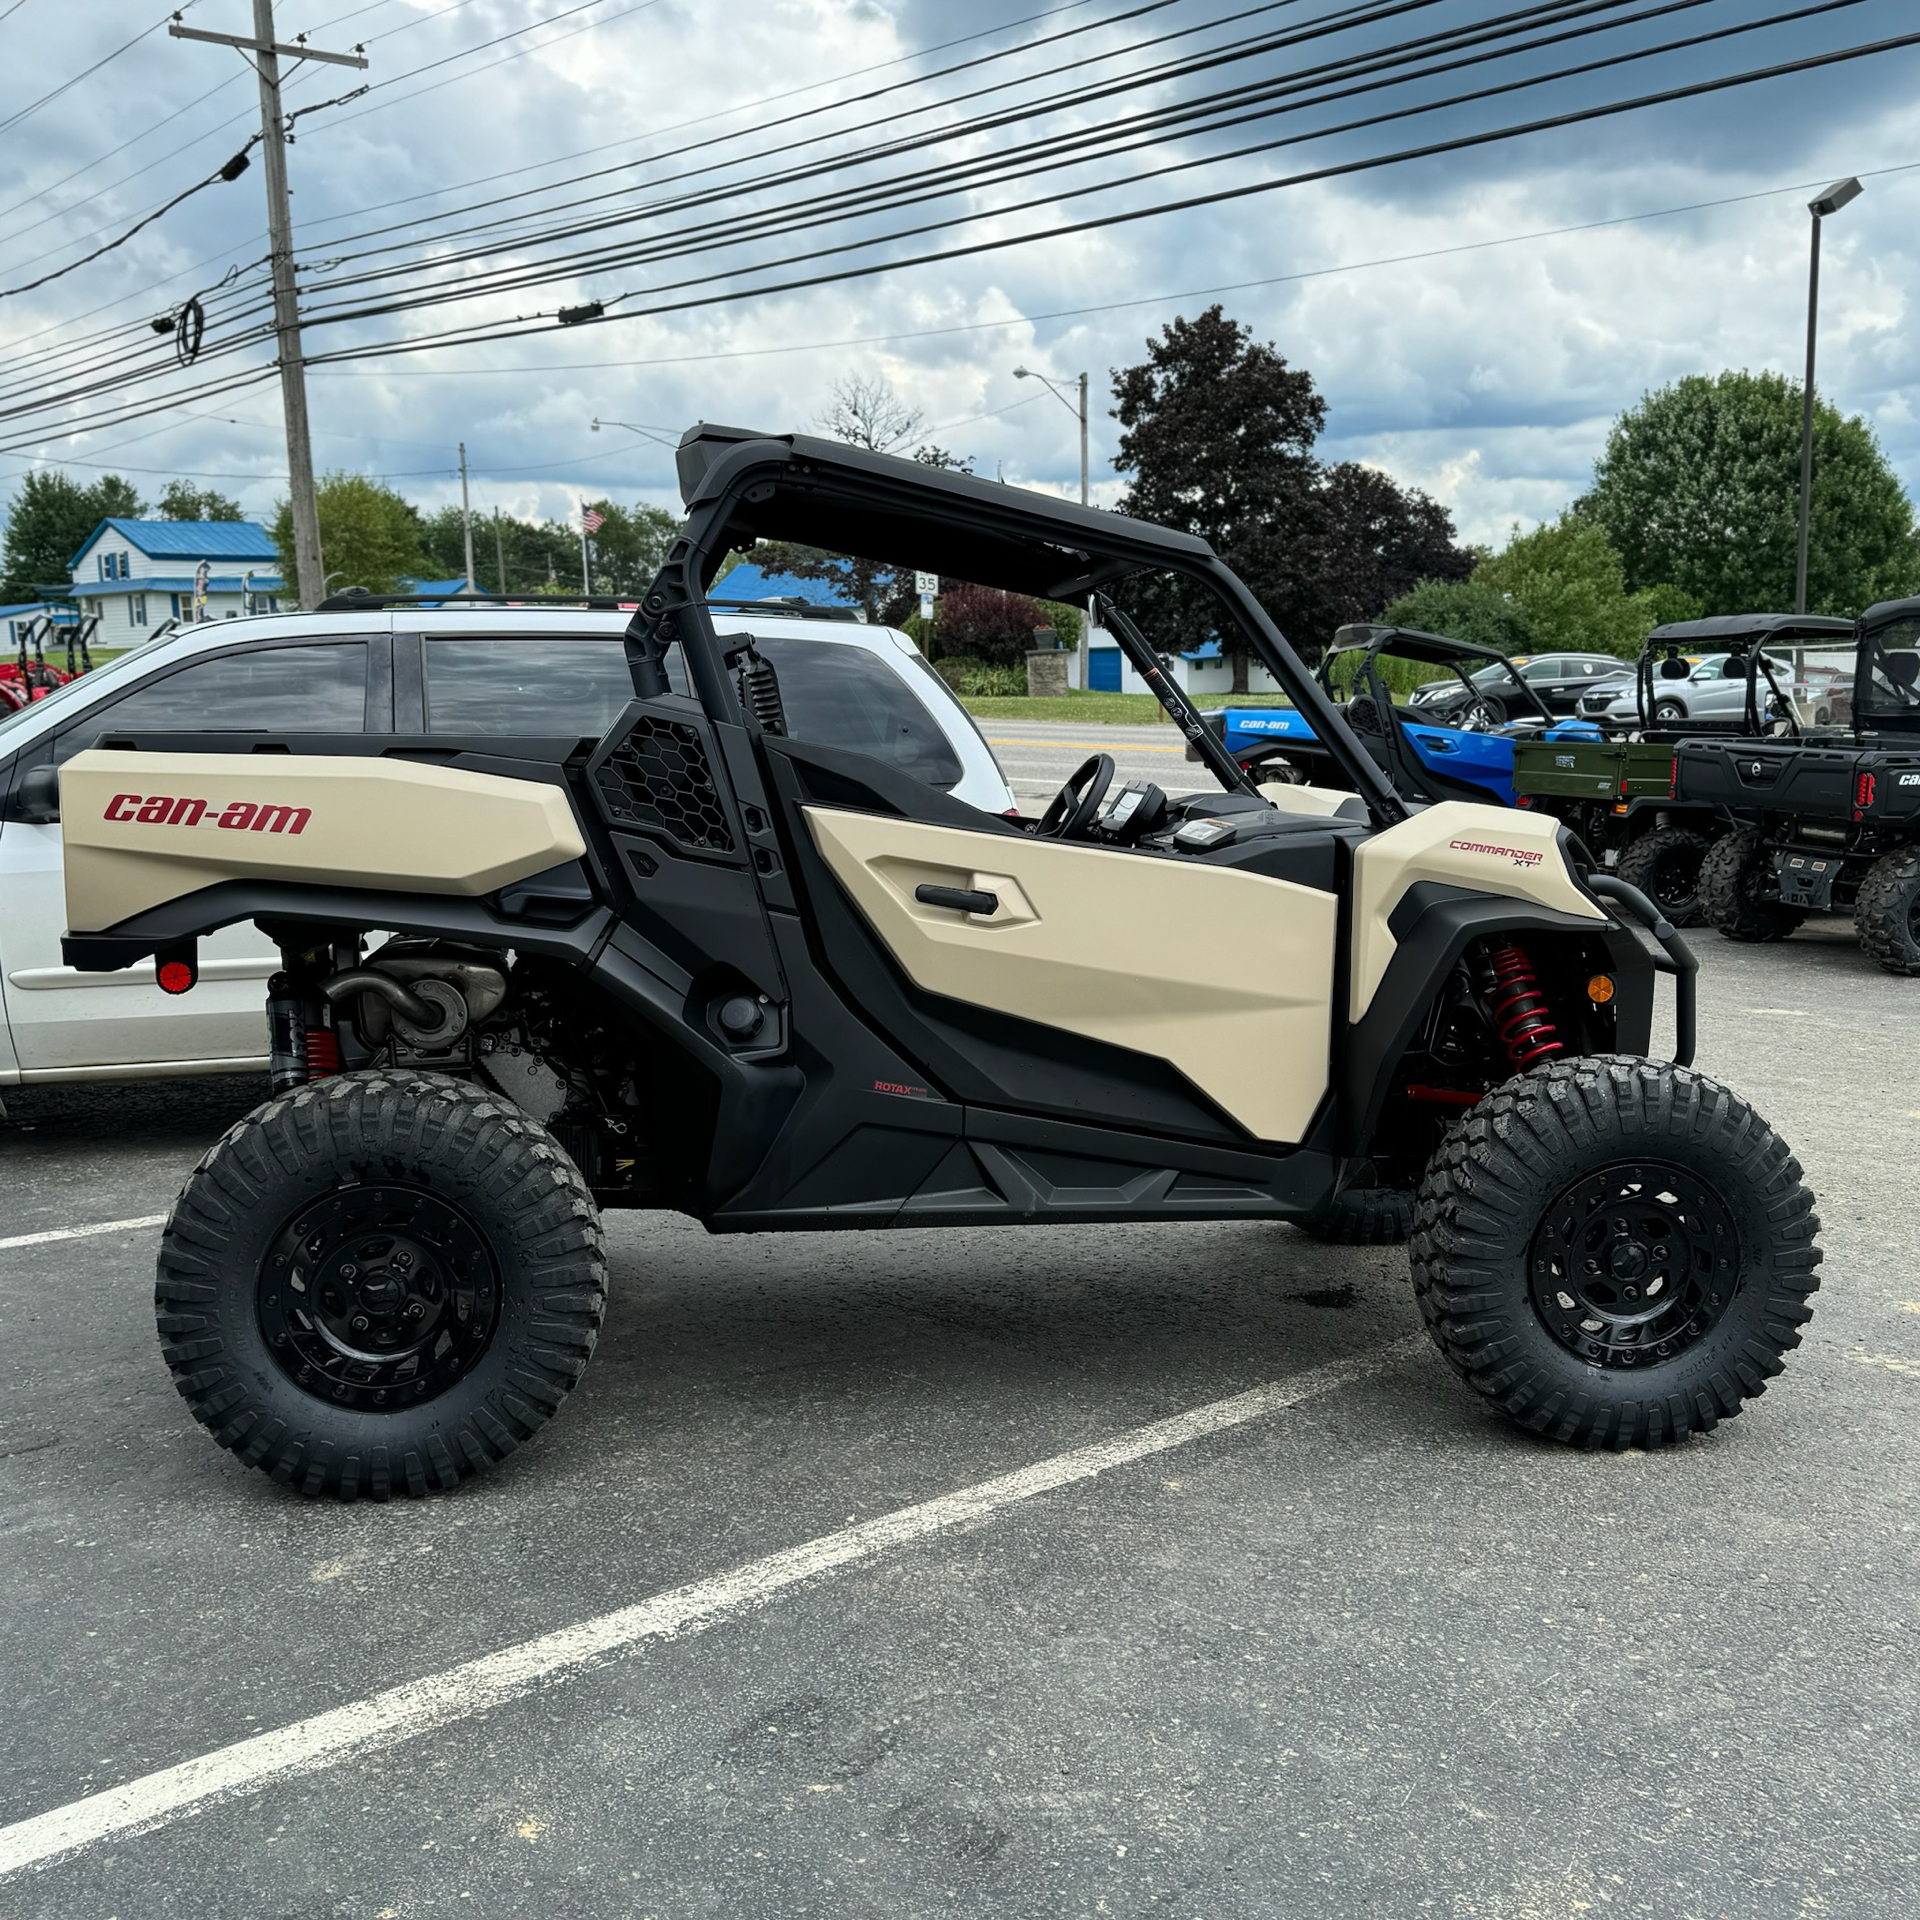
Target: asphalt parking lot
x=1368, y=1653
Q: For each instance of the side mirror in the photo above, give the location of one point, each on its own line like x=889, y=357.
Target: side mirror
x=38, y=799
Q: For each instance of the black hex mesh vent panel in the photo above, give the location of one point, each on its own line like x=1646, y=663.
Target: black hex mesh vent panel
x=658, y=776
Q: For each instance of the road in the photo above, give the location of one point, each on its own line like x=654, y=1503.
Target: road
x=1369, y=1653
x=1037, y=755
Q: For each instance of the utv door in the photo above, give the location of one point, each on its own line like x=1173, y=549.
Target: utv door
x=1127, y=988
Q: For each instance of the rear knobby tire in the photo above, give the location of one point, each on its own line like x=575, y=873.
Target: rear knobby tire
x=1363, y=1217
x=1729, y=898
x=1886, y=915
x=1497, y=1247
x=465, y=1231
x=1665, y=866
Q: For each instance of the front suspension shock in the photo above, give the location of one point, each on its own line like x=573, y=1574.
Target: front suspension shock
x=1517, y=1009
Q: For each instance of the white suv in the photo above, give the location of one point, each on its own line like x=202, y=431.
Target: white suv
x=390, y=673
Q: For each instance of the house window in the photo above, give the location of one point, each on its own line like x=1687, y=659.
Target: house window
x=173, y=603
x=137, y=609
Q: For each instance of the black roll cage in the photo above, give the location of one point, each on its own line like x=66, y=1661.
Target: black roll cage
x=1432, y=649
x=740, y=486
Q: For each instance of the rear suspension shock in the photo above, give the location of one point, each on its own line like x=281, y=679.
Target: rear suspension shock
x=1516, y=1008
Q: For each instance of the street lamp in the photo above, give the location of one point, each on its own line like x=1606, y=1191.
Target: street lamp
x=662, y=434
x=1027, y=373
x=1835, y=197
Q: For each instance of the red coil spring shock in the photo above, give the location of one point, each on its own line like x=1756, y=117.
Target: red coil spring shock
x=1518, y=1009
x=323, y=1053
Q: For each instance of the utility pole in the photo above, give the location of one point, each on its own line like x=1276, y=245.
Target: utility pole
x=466, y=518
x=500, y=551
x=266, y=52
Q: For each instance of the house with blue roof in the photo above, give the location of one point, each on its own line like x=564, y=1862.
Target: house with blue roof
x=137, y=573
x=749, y=582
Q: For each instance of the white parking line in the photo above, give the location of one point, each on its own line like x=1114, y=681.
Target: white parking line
x=440, y=1699
x=84, y=1233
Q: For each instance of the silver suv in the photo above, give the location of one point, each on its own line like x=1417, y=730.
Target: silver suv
x=392, y=673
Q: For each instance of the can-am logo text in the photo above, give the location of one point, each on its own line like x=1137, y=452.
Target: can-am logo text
x=237, y=816
x=1520, y=856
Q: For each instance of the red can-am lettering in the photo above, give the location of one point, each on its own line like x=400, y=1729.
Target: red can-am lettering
x=183, y=810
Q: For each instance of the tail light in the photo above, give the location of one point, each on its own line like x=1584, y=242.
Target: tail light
x=1673, y=776
x=1863, y=791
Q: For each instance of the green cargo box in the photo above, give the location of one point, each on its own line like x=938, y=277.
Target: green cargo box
x=1592, y=769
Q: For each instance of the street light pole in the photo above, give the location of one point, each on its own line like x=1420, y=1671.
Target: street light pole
x=1027, y=373
x=1835, y=197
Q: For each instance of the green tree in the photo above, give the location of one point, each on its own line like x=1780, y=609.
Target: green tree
x=541, y=556
x=369, y=535
x=1217, y=434
x=49, y=518
x=1699, y=488
x=1464, y=610
x=1568, y=581
x=182, y=500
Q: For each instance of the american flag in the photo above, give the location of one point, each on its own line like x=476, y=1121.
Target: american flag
x=592, y=521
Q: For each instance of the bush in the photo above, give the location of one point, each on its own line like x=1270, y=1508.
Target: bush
x=1464, y=610
x=974, y=678
x=983, y=624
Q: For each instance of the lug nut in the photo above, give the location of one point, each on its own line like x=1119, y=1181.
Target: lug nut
x=359, y=1323
x=348, y=1271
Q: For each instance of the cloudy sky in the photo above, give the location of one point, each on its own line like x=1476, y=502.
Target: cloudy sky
x=1471, y=317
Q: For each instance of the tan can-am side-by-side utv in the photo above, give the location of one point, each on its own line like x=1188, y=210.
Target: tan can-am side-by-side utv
x=703, y=964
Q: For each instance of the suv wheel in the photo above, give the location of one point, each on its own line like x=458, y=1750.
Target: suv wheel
x=1729, y=891
x=1887, y=913
x=380, y=1284
x=1615, y=1252
x=1665, y=866
x=1667, y=711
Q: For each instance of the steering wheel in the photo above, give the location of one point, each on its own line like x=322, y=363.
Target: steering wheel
x=1481, y=714
x=1071, y=810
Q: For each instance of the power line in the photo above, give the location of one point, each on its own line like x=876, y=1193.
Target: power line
x=1190, y=203
x=788, y=218
x=471, y=334
x=106, y=59
x=231, y=170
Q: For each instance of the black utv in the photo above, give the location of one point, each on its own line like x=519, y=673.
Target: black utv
x=1828, y=822
x=704, y=964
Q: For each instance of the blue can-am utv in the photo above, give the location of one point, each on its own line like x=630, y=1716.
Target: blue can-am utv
x=1454, y=746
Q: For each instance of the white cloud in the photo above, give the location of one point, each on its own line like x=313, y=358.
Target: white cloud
x=1487, y=376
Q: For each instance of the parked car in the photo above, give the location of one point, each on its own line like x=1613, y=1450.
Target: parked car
x=552, y=672
x=1560, y=681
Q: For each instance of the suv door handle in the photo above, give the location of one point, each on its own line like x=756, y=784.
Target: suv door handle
x=961, y=899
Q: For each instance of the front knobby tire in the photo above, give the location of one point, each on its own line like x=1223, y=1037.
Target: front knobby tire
x=1730, y=899
x=1886, y=915
x=380, y=1284
x=1615, y=1252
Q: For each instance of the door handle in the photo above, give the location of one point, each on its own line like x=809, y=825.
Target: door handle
x=961, y=899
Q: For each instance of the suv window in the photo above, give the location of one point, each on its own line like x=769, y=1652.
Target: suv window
x=1553, y=667
x=836, y=695
x=544, y=688
x=317, y=688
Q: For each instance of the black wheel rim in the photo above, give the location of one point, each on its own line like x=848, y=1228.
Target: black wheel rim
x=1675, y=878
x=378, y=1298
x=1634, y=1264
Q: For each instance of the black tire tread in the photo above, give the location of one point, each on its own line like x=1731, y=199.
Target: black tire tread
x=1882, y=912
x=555, y=1234
x=1500, y=1163
x=1724, y=903
x=1363, y=1217
x=1638, y=862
